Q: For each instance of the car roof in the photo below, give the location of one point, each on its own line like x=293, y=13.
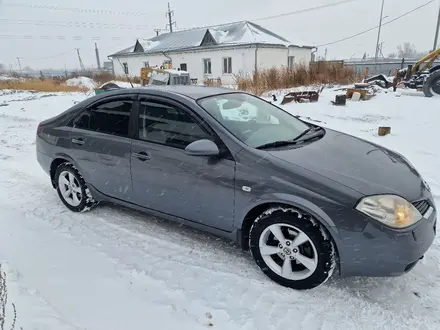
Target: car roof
x=192, y=91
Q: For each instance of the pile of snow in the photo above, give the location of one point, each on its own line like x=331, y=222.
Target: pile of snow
x=84, y=82
x=6, y=77
x=89, y=83
x=150, y=274
x=122, y=84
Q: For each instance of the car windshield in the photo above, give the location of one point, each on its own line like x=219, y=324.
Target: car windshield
x=253, y=120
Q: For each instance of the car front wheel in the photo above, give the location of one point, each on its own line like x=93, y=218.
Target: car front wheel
x=292, y=249
x=72, y=189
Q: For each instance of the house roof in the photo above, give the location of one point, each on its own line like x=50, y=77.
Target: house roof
x=231, y=34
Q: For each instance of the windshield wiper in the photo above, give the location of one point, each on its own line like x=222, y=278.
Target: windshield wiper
x=308, y=131
x=311, y=133
x=276, y=144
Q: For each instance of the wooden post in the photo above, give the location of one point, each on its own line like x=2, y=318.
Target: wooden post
x=384, y=131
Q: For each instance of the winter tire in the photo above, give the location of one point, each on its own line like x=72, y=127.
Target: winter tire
x=72, y=189
x=431, y=87
x=292, y=249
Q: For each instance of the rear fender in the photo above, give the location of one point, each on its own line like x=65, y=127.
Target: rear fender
x=69, y=159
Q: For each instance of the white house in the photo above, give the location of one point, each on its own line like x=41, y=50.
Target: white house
x=213, y=52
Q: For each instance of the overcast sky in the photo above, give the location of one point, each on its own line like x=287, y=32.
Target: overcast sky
x=32, y=33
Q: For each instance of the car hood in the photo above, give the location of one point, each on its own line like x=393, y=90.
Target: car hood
x=360, y=165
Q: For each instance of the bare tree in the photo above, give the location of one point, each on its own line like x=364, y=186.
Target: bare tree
x=408, y=50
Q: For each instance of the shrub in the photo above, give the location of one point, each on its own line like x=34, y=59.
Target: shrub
x=4, y=302
x=47, y=85
x=278, y=78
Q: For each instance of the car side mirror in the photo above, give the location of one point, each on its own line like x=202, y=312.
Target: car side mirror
x=202, y=148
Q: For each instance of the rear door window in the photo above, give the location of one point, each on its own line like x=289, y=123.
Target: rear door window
x=112, y=117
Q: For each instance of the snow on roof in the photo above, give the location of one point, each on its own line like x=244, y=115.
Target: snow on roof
x=238, y=33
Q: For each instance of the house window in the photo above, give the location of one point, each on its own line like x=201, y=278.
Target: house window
x=227, y=65
x=183, y=67
x=125, y=65
x=290, y=62
x=207, y=66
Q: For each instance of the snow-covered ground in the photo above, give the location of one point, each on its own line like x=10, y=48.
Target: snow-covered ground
x=113, y=268
x=83, y=82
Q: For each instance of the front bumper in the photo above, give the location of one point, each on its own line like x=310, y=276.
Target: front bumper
x=380, y=251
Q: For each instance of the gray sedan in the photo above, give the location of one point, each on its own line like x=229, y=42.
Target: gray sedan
x=305, y=200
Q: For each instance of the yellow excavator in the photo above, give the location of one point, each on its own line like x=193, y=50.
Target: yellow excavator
x=424, y=75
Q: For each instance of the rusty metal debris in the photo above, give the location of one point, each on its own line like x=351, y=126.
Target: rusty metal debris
x=379, y=80
x=301, y=97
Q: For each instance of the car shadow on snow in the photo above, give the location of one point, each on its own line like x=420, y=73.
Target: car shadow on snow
x=395, y=294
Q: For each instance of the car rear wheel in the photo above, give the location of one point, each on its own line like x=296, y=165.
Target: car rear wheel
x=72, y=189
x=292, y=249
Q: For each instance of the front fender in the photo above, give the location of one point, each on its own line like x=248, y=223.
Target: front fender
x=296, y=202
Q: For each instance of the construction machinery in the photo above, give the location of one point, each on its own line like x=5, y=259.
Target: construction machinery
x=424, y=75
x=157, y=76
x=152, y=76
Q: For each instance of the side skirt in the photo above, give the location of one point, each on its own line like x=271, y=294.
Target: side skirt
x=233, y=236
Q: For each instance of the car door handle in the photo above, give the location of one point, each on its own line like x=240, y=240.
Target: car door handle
x=142, y=156
x=78, y=141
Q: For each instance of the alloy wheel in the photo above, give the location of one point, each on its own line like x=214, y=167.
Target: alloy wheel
x=70, y=188
x=288, y=251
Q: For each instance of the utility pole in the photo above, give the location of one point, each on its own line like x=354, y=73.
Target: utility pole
x=381, y=50
x=378, y=32
x=81, y=64
x=169, y=14
x=98, y=62
x=19, y=65
x=157, y=31
x=437, y=30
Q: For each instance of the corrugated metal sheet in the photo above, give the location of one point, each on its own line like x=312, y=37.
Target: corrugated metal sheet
x=237, y=33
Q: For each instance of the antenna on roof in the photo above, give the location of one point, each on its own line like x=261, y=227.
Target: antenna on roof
x=126, y=74
x=170, y=14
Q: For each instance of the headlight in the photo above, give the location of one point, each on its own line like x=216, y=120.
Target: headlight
x=391, y=210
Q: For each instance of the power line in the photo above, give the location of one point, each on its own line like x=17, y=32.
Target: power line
x=374, y=28
x=169, y=13
x=76, y=9
x=75, y=38
x=77, y=24
x=305, y=10
x=43, y=37
x=283, y=14
x=48, y=57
